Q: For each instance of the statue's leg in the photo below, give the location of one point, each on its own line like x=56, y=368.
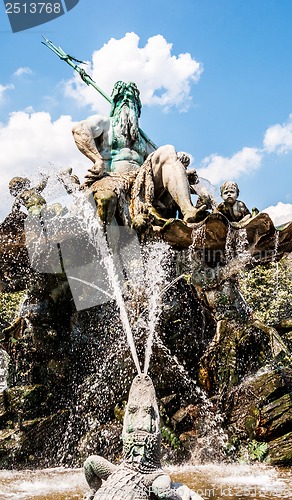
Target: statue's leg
x=169, y=173
x=96, y=469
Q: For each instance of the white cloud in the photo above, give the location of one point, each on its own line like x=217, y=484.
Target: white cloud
x=280, y=213
x=3, y=89
x=162, y=78
x=278, y=138
x=32, y=143
x=216, y=168
x=23, y=71
x=29, y=109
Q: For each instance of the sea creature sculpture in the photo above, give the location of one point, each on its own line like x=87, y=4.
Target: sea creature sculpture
x=140, y=474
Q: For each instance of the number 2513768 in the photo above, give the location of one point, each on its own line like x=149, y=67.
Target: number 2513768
x=33, y=8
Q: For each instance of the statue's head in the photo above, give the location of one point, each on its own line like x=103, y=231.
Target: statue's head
x=141, y=429
x=126, y=93
x=18, y=184
x=229, y=191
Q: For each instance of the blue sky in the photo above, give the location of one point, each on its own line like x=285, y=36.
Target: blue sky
x=215, y=78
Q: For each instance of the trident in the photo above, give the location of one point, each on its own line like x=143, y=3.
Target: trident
x=85, y=77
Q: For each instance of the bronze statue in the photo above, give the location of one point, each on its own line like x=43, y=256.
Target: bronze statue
x=27, y=196
x=119, y=150
x=233, y=209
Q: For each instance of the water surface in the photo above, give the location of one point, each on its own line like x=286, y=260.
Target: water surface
x=232, y=482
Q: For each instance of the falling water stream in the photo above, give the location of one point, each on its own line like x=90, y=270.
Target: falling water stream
x=156, y=276
x=91, y=224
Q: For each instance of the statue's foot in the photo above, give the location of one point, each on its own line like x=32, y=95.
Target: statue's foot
x=192, y=215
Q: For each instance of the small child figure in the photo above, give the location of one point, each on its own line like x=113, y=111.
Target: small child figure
x=27, y=196
x=233, y=209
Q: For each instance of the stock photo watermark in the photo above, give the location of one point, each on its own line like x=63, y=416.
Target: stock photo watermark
x=245, y=491
x=26, y=14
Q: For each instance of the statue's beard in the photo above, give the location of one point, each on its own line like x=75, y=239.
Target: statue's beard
x=139, y=447
x=126, y=121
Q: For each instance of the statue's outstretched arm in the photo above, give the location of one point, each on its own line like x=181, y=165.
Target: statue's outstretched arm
x=84, y=139
x=85, y=133
x=96, y=469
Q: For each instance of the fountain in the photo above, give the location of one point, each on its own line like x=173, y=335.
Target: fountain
x=134, y=280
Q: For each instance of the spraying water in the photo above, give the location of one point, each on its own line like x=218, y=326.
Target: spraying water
x=90, y=284
x=97, y=236
x=237, y=245
x=90, y=223
x=198, y=237
x=207, y=191
x=4, y=361
x=156, y=277
x=212, y=442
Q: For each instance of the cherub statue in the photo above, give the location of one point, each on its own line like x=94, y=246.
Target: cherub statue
x=27, y=196
x=233, y=209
